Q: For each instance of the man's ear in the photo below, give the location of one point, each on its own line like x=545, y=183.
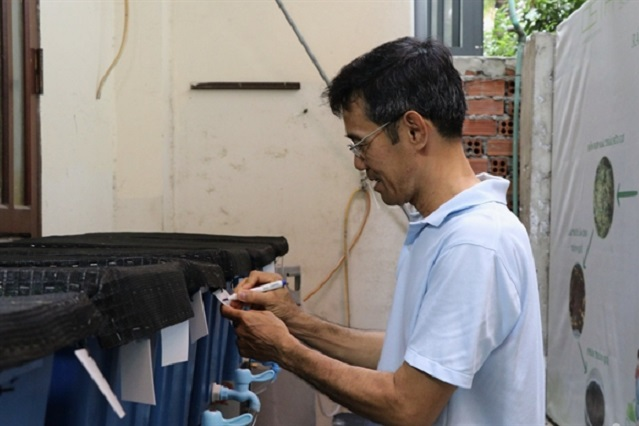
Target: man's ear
x=419, y=129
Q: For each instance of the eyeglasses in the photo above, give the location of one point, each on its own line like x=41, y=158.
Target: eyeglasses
x=357, y=148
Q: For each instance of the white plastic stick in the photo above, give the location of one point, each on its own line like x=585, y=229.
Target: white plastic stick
x=94, y=371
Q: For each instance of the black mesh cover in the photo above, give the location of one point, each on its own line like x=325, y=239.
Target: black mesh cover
x=134, y=302
x=32, y=281
x=136, y=283
x=231, y=264
x=36, y=326
x=238, y=255
x=40, y=276
x=139, y=301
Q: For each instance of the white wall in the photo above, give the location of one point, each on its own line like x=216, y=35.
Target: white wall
x=275, y=163
x=78, y=132
x=153, y=155
x=143, y=101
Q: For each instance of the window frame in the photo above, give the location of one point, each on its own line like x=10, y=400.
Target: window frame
x=457, y=23
x=24, y=219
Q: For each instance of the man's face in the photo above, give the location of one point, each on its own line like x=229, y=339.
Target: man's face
x=387, y=165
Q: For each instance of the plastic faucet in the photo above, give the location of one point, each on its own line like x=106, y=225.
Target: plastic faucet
x=214, y=418
x=273, y=366
x=243, y=378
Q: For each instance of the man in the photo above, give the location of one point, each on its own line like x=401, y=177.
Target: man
x=463, y=345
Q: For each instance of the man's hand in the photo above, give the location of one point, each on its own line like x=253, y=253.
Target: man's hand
x=256, y=279
x=260, y=334
x=279, y=302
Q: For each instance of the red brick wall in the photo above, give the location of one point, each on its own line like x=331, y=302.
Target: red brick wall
x=488, y=129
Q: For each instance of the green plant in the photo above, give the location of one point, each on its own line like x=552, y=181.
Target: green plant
x=533, y=15
x=500, y=40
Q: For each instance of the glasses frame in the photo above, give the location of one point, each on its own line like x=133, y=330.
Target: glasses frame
x=357, y=148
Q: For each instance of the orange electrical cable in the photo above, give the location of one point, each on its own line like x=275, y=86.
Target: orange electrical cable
x=125, y=31
x=346, y=251
x=347, y=302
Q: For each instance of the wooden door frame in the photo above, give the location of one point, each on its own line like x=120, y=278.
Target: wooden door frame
x=22, y=220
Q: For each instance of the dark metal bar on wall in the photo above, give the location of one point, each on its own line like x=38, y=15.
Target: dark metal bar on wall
x=245, y=85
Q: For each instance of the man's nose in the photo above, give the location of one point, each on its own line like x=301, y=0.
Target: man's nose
x=359, y=163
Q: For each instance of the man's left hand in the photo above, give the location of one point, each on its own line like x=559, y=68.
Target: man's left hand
x=260, y=334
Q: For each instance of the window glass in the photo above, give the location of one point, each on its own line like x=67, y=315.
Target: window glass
x=2, y=96
x=448, y=23
x=17, y=31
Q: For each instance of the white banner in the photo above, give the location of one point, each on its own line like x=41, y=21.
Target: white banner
x=593, y=318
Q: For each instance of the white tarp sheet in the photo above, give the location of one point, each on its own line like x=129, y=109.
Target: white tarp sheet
x=593, y=331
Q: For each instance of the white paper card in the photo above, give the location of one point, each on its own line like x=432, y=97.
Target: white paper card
x=175, y=344
x=94, y=371
x=269, y=268
x=198, y=326
x=223, y=296
x=136, y=372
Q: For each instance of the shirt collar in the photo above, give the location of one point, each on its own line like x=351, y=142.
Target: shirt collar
x=489, y=189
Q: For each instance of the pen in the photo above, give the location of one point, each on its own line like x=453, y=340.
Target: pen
x=263, y=288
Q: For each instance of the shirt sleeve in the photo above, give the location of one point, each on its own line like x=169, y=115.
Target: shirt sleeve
x=470, y=306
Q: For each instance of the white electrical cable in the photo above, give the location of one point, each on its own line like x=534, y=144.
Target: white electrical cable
x=323, y=411
x=372, y=191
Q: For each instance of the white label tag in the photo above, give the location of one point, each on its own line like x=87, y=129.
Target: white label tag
x=269, y=268
x=92, y=368
x=223, y=296
x=175, y=344
x=198, y=325
x=136, y=372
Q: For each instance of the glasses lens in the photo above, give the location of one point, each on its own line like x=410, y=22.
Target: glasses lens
x=357, y=148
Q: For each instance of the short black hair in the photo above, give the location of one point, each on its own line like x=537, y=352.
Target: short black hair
x=402, y=75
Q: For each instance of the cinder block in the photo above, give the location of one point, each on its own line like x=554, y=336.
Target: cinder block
x=474, y=147
x=485, y=107
x=485, y=87
x=506, y=127
x=499, y=167
x=499, y=147
x=479, y=165
x=485, y=127
x=509, y=106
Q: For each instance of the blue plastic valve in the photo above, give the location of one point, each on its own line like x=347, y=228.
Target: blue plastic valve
x=214, y=418
x=244, y=377
x=274, y=366
x=241, y=392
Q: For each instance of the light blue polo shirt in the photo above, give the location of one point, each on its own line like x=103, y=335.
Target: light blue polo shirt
x=466, y=309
